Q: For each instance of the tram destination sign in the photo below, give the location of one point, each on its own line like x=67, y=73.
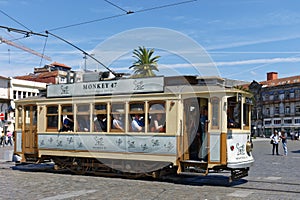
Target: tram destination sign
x=121, y=86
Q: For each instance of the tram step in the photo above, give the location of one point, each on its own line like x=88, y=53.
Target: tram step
x=193, y=162
x=192, y=174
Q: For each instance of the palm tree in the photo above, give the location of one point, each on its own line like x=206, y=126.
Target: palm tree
x=145, y=63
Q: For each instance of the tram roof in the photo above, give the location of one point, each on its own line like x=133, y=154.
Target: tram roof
x=123, y=86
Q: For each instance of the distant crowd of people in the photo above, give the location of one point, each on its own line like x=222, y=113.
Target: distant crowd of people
x=7, y=132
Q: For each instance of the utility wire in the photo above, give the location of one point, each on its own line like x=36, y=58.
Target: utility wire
x=14, y=20
x=117, y=6
x=87, y=22
x=120, y=15
x=164, y=6
x=84, y=52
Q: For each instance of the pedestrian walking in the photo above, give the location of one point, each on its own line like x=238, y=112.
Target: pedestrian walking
x=283, y=137
x=275, y=139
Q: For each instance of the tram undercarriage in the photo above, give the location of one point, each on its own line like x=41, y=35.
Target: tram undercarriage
x=113, y=167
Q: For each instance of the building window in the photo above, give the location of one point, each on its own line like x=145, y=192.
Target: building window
x=15, y=94
x=287, y=95
x=297, y=121
x=276, y=96
x=276, y=110
x=287, y=110
x=19, y=95
x=267, y=122
x=277, y=121
x=288, y=121
x=297, y=109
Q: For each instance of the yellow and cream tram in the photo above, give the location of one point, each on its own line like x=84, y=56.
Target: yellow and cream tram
x=149, y=126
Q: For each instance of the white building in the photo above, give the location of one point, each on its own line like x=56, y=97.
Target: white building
x=12, y=89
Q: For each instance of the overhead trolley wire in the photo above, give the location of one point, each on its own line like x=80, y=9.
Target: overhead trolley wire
x=84, y=52
x=14, y=20
x=127, y=12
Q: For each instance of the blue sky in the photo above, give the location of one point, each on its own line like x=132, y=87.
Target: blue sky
x=237, y=39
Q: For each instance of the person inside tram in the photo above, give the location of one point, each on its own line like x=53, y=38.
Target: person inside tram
x=137, y=123
x=68, y=124
x=158, y=123
x=117, y=123
x=100, y=123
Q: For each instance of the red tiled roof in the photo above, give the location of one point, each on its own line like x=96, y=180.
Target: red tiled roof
x=60, y=64
x=46, y=77
x=281, y=81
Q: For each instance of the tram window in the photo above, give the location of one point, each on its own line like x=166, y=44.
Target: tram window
x=83, y=118
x=52, y=118
x=19, y=117
x=137, y=117
x=246, y=115
x=27, y=115
x=233, y=113
x=100, y=117
x=157, y=117
x=67, y=123
x=117, y=117
x=215, y=112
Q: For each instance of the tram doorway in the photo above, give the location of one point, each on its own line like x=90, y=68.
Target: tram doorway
x=30, y=131
x=196, y=129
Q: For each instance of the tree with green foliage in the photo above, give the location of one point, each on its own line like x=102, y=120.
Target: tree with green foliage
x=145, y=63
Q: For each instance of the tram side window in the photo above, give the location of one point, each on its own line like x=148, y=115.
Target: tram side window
x=100, y=117
x=34, y=117
x=233, y=113
x=247, y=113
x=137, y=117
x=215, y=101
x=157, y=117
x=67, y=123
x=83, y=118
x=52, y=118
x=117, y=117
x=19, y=117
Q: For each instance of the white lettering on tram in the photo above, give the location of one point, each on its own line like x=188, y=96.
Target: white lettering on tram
x=90, y=86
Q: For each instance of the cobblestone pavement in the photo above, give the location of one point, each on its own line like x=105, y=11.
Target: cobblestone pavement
x=271, y=177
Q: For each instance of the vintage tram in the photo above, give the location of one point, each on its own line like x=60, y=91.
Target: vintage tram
x=144, y=126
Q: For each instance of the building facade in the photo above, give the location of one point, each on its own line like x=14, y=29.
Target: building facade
x=277, y=104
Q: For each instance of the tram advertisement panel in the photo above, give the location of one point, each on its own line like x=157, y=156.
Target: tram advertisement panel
x=155, y=84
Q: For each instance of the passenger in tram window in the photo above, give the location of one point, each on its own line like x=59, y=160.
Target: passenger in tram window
x=137, y=123
x=68, y=124
x=117, y=122
x=100, y=123
x=158, y=123
x=83, y=123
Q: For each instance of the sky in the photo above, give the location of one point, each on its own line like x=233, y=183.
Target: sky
x=234, y=39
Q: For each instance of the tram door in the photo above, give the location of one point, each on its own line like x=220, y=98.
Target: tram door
x=30, y=130
x=195, y=129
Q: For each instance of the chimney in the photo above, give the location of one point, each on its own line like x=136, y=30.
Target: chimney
x=272, y=76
